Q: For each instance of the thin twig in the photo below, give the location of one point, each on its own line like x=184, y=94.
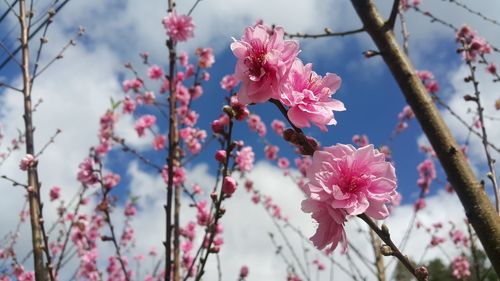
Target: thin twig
x=327, y=33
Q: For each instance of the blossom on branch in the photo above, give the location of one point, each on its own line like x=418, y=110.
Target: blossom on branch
x=308, y=96
x=179, y=27
x=264, y=60
x=344, y=182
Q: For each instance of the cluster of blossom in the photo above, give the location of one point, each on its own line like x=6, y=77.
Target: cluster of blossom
x=268, y=68
x=405, y=5
x=427, y=78
x=256, y=125
x=427, y=173
x=460, y=268
x=266, y=201
x=404, y=116
x=473, y=45
x=19, y=273
x=360, y=141
x=189, y=234
x=346, y=182
x=106, y=129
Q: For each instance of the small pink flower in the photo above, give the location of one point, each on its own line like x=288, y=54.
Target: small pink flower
x=492, y=68
x=143, y=123
x=26, y=162
x=220, y=156
x=159, y=142
x=264, y=60
x=461, y=268
x=128, y=105
x=111, y=180
x=55, y=193
x=244, y=271
x=179, y=175
x=308, y=97
x=206, y=57
x=179, y=28
x=245, y=158
x=278, y=127
x=283, y=163
x=228, y=82
x=155, y=72
x=130, y=210
x=86, y=173
x=271, y=152
x=229, y=186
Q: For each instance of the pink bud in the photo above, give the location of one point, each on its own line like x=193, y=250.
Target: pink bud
x=220, y=156
x=229, y=186
x=217, y=127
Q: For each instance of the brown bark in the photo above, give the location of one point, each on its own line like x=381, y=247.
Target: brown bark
x=379, y=259
x=478, y=207
x=33, y=183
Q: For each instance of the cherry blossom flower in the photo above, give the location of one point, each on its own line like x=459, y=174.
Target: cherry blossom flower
x=461, y=268
x=244, y=271
x=263, y=63
x=27, y=162
x=179, y=27
x=278, y=127
x=343, y=182
x=155, y=72
x=54, y=193
x=143, y=123
x=206, y=57
x=86, y=173
x=229, y=186
x=308, y=97
x=159, y=142
x=228, y=82
x=245, y=158
x=179, y=175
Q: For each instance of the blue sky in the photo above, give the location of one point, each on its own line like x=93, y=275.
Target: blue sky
x=76, y=90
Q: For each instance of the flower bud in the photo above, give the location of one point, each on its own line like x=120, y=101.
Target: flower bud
x=229, y=186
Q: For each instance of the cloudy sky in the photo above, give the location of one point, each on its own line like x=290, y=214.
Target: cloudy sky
x=76, y=91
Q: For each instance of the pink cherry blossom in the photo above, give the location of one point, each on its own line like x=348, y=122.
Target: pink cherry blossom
x=159, y=142
x=283, y=163
x=264, y=60
x=308, y=97
x=110, y=180
x=244, y=271
x=206, y=57
x=179, y=175
x=183, y=58
x=155, y=72
x=460, y=268
x=143, y=123
x=26, y=162
x=86, y=172
x=55, y=193
x=228, y=82
x=229, y=186
x=344, y=181
x=128, y=105
x=278, y=127
x=271, y=152
x=245, y=158
x=179, y=27
x=355, y=180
